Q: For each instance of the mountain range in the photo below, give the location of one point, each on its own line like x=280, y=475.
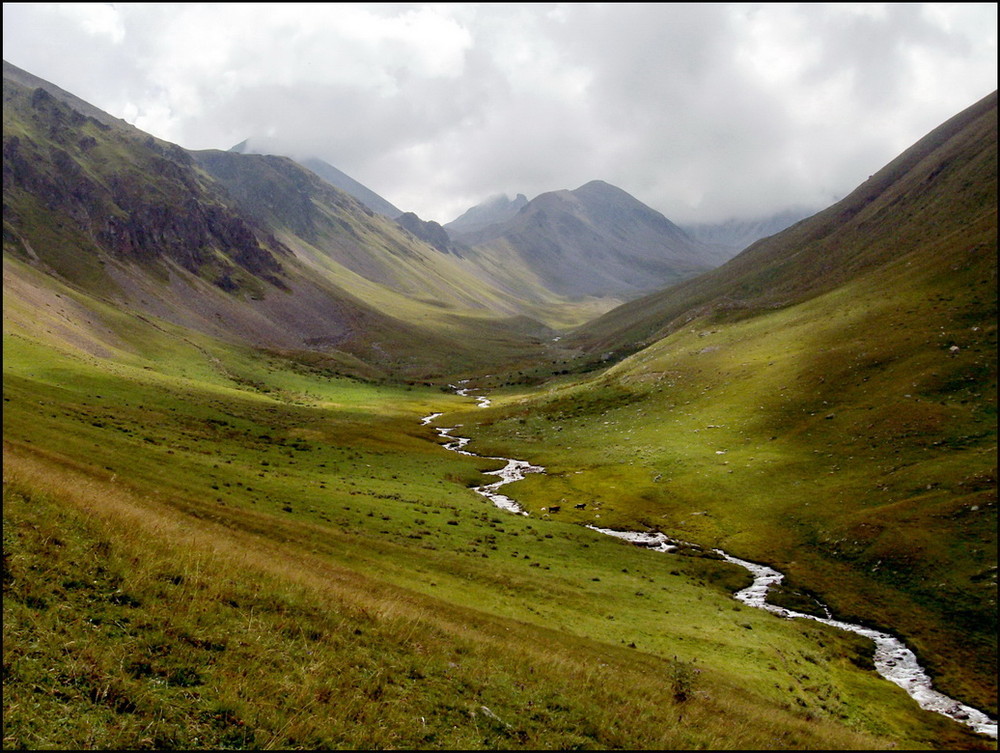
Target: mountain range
x=898, y=213
x=595, y=240
x=732, y=236
x=226, y=378
x=255, y=227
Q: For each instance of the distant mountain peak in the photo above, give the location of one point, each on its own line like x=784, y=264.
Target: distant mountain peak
x=497, y=208
x=501, y=199
x=594, y=185
x=734, y=235
x=594, y=240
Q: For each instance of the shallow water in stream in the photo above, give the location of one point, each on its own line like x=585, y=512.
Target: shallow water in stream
x=893, y=660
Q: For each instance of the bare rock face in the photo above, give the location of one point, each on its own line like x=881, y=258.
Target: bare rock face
x=146, y=204
x=428, y=231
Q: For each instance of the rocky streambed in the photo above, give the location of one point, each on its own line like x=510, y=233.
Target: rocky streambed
x=893, y=660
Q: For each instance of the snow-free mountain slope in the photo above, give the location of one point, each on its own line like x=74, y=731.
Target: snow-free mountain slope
x=825, y=402
x=329, y=173
x=594, y=241
x=251, y=248
x=490, y=212
x=936, y=200
x=345, y=182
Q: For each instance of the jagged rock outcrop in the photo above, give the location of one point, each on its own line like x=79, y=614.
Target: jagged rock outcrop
x=428, y=231
x=147, y=206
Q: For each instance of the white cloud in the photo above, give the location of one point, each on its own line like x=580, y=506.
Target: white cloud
x=700, y=110
x=97, y=19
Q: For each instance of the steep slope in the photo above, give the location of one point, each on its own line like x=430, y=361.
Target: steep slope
x=428, y=231
x=30, y=81
x=253, y=249
x=346, y=183
x=596, y=240
x=296, y=203
x=942, y=187
x=825, y=403
x=129, y=222
x=73, y=190
x=329, y=173
x=392, y=265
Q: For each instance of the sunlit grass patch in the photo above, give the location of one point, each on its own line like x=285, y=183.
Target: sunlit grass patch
x=849, y=441
x=275, y=514
x=117, y=637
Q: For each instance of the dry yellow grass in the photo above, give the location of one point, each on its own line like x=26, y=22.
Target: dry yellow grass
x=225, y=637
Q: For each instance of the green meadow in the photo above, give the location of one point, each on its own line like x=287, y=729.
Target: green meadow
x=207, y=546
x=834, y=440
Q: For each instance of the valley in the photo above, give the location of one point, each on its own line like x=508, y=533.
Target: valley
x=892, y=659
x=231, y=520
x=180, y=547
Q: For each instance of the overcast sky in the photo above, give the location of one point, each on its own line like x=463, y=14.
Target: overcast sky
x=704, y=112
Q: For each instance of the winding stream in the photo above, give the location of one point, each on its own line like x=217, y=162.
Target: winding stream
x=893, y=660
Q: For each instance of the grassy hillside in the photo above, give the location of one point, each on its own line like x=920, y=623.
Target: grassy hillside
x=298, y=204
x=78, y=192
x=208, y=548
x=825, y=403
x=863, y=467
x=938, y=196
x=259, y=252
x=383, y=264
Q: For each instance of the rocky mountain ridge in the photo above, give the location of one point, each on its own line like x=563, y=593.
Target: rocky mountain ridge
x=69, y=175
x=595, y=240
x=495, y=209
x=332, y=175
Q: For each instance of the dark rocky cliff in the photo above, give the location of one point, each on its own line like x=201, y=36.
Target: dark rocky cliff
x=147, y=204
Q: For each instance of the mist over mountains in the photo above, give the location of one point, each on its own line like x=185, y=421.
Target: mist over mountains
x=732, y=236
x=595, y=241
x=725, y=239
x=494, y=210
x=595, y=245
x=330, y=174
x=263, y=221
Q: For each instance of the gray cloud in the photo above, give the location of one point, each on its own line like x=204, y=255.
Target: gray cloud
x=703, y=111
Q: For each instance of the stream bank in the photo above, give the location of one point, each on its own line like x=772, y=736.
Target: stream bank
x=893, y=660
